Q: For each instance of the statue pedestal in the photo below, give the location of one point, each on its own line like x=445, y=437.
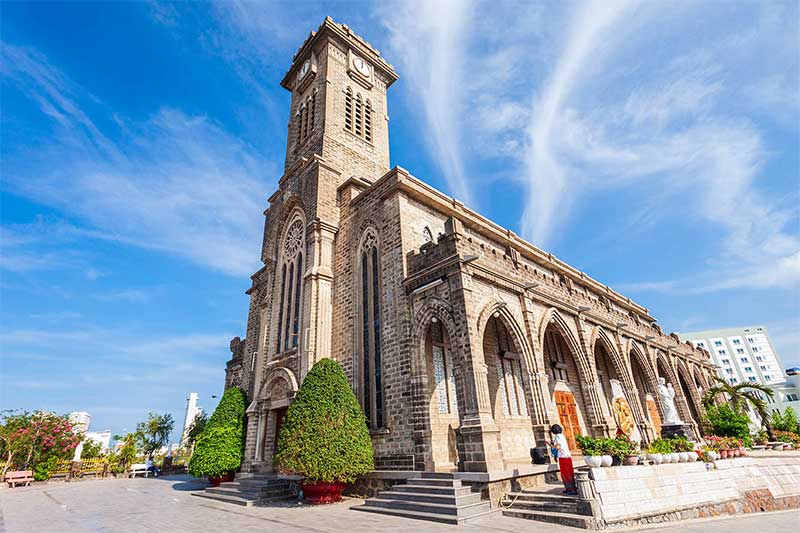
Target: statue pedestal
x=669, y=431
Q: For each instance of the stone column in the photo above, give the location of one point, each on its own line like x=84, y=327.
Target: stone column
x=537, y=378
x=315, y=335
x=259, y=455
x=478, y=429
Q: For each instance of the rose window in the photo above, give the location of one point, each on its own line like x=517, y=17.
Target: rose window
x=294, y=239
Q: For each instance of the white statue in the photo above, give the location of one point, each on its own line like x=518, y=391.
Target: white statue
x=666, y=395
x=80, y=424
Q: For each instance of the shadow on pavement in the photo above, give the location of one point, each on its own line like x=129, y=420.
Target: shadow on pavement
x=184, y=482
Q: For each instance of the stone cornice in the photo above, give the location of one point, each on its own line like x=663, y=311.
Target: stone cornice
x=399, y=179
x=343, y=32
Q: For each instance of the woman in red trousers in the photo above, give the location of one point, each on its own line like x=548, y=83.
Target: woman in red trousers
x=559, y=443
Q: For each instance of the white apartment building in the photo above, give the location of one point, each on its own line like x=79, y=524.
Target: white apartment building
x=743, y=354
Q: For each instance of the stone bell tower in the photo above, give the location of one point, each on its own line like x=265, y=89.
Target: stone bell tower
x=338, y=129
x=338, y=111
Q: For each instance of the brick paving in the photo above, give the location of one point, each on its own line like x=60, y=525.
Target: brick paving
x=166, y=504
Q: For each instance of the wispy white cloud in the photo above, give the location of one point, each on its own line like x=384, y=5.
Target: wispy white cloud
x=615, y=96
x=176, y=183
x=427, y=40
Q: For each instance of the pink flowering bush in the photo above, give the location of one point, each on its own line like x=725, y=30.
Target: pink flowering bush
x=27, y=439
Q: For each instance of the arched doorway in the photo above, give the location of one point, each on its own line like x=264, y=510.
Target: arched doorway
x=646, y=391
x=504, y=361
x=443, y=404
x=565, y=384
x=277, y=392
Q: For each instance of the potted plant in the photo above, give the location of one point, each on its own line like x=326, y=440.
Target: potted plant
x=592, y=451
x=623, y=450
x=682, y=446
x=760, y=440
x=606, y=449
x=657, y=449
x=324, y=437
x=219, y=448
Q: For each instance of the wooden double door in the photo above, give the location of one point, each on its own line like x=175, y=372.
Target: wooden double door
x=568, y=415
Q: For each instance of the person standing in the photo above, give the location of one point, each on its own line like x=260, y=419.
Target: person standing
x=564, y=455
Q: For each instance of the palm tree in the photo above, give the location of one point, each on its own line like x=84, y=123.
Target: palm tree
x=742, y=396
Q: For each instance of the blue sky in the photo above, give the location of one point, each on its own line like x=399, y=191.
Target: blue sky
x=652, y=145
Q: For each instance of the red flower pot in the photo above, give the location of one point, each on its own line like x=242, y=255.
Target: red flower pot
x=723, y=454
x=322, y=492
x=225, y=478
x=736, y=452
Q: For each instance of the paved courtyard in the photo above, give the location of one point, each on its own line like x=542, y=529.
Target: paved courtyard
x=167, y=504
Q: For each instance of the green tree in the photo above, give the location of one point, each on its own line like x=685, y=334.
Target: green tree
x=324, y=436
x=127, y=453
x=196, y=429
x=787, y=422
x=740, y=397
x=154, y=432
x=27, y=439
x=220, y=446
x=91, y=450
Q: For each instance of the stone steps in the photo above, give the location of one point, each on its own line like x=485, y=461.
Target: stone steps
x=431, y=496
x=250, y=490
x=564, y=519
x=548, y=505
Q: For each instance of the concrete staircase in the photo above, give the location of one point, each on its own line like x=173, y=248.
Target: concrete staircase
x=548, y=504
x=251, y=489
x=431, y=496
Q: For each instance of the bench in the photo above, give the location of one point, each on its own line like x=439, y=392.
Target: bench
x=139, y=468
x=19, y=476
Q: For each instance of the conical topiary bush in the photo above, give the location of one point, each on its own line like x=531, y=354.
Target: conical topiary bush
x=324, y=437
x=220, y=446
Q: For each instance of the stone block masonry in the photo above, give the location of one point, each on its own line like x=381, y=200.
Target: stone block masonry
x=634, y=495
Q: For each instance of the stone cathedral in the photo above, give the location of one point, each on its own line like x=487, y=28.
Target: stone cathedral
x=462, y=341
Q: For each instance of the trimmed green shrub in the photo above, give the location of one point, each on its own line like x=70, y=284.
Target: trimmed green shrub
x=324, y=436
x=220, y=446
x=219, y=451
x=230, y=410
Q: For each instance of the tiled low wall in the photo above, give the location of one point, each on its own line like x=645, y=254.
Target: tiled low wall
x=636, y=494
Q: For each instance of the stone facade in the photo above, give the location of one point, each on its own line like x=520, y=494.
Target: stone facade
x=463, y=342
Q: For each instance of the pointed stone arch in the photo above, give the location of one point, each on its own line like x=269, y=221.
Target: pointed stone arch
x=565, y=389
x=508, y=359
x=693, y=400
x=437, y=431
x=599, y=338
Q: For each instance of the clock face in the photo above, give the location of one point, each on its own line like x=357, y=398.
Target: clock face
x=361, y=66
x=305, y=68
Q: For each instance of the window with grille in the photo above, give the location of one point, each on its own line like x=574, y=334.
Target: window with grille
x=289, y=309
x=509, y=372
x=305, y=117
x=358, y=117
x=443, y=373
x=372, y=376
